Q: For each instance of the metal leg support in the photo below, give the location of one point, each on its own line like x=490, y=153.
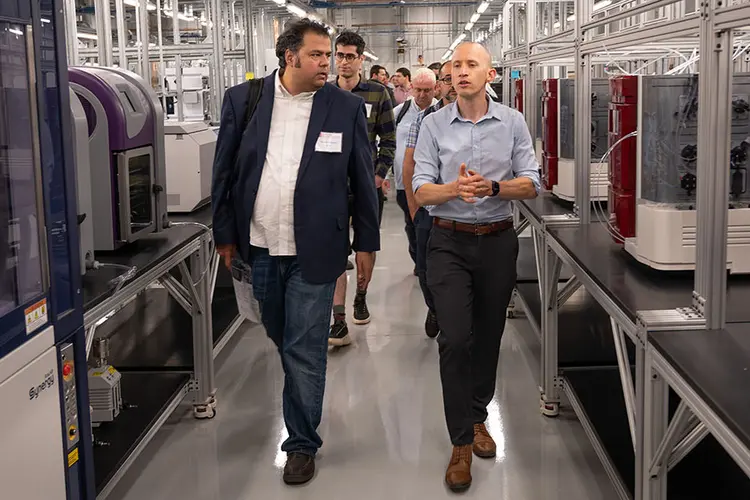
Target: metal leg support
x=686, y=445
x=626, y=377
x=204, y=400
x=655, y=435
x=569, y=288
x=550, y=400
x=177, y=291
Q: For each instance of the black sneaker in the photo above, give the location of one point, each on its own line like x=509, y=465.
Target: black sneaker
x=361, y=313
x=299, y=468
x=431, y=327
x=339, y=335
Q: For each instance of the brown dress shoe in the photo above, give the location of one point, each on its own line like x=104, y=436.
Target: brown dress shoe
x=484, y=445
x=458, y=475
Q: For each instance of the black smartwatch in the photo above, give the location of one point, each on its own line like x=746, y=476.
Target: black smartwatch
x=495, y=188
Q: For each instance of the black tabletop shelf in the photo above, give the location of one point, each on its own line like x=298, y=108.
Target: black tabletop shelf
x=547, y=204
x=144, y=254
x=584, y=331
x=707, y=472
x=634, y=286
x=716, y=365
x=147, y=395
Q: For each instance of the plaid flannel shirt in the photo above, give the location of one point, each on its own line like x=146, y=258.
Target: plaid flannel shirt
x=411, y=139
x=380, y=124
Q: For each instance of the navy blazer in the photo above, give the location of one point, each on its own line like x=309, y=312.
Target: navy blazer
x=321, y=196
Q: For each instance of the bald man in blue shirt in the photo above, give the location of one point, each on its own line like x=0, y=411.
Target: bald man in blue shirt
x=472, y=158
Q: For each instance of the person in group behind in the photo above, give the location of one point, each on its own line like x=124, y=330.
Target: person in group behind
x=402, y=85
x=350, y=48
x=378, y=74
x=472, y=158
x=435, y=67
x=423, y=96
x=420, y=217
x=281, y=202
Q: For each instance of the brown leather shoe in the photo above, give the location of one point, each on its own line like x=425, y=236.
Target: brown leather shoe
x=458, y=475
x=484, y=445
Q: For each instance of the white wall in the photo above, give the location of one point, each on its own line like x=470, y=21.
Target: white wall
x=428, y=31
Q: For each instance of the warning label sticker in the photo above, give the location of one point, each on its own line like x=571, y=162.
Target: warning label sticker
x=36, y=316
x=72, y=457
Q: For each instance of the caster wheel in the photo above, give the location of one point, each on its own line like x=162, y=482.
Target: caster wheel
x=212, y=402
x=204, y=412
x=510, y=314
x=549, y=409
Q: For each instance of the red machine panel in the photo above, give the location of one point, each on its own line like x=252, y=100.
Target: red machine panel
x=519, y=94
x=623, y=119
x=550, y=108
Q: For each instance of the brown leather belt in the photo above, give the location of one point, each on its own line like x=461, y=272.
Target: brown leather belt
x=476, y=229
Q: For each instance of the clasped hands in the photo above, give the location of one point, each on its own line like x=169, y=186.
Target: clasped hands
x=470, y=186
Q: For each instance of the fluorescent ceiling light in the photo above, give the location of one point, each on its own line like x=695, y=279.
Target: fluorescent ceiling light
x=461, y=37
x=87, y=36
x=15, y=31
x=45, y=21
x=475, y=18
x=297, y=11
x=571, y=18
x=483, y=7
x=279, y=2
x=371, y=56
x=556, y=25
x=602, y=4
x=468, y=26
x=447, y=54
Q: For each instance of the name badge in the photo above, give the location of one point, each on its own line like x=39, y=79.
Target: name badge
x=329, y=142
x=368, y=108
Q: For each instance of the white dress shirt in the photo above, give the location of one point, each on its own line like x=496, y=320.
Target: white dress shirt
x=272, y=223
x=402, y=133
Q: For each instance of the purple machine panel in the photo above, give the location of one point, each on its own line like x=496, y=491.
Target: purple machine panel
x=121, y=126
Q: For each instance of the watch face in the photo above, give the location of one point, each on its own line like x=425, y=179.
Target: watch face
x=495, y=188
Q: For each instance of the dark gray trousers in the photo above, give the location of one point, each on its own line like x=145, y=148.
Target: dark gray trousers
x=471, y=279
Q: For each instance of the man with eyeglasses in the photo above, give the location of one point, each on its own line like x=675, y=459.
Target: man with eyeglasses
x=350, y=48
x=423, y=96
x=420, y=217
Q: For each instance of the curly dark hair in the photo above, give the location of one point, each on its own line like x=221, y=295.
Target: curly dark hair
x=351, y=38
x=294, y=34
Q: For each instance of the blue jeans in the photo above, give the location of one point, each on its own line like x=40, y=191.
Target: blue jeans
x=297, y=316
x=423, y=226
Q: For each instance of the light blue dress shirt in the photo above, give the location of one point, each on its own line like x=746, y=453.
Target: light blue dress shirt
x=402, y=133
x=498, y=147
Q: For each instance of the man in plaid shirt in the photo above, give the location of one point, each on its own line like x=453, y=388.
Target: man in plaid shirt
x=381, y=124
x=420, y=216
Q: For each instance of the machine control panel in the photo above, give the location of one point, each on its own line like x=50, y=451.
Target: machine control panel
x=70, y=398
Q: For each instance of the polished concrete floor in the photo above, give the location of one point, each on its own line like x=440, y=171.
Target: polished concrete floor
x=383, y=427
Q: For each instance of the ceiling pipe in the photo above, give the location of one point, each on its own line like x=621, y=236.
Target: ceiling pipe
x=399, y=24
x=374, y=5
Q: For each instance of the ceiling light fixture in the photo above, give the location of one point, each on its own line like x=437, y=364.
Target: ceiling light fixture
x=475, y=18
x=371, y=56
x=297, y=11
x=483, y=7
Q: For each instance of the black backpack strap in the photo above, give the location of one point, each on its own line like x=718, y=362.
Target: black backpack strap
x=254, y=91
x=402, y=113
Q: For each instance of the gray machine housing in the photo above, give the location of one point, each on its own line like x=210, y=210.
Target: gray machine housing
x=599, y=117
x=669, y=124
x=83, y=182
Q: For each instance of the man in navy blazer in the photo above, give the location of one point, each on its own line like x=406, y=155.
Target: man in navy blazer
x=280, y=202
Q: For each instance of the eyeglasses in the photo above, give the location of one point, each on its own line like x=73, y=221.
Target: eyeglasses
x=446, y=79
x=340, y=56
